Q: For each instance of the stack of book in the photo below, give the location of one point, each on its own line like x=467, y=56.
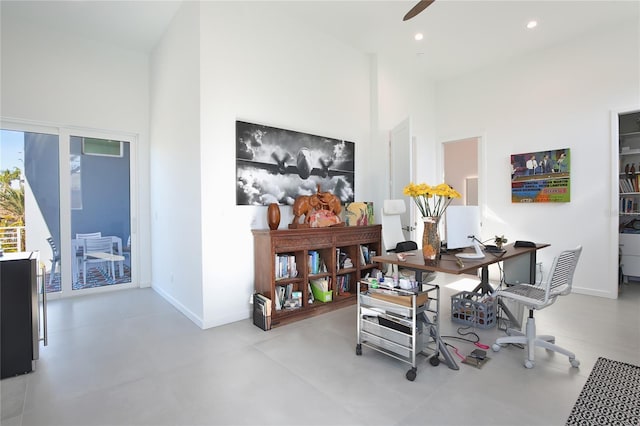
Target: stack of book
x=262, y=311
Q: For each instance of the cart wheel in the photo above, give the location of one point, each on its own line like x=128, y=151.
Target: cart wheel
x=435, y=361
x=358, y=349
x=411, y=374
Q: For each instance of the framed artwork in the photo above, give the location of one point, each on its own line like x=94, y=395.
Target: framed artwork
x=277, y=165
x=541, y=177
x=359, y=213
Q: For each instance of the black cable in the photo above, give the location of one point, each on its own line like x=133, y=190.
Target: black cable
x=464, y=334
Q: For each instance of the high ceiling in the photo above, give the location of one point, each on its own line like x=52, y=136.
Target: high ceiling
x=459, y=35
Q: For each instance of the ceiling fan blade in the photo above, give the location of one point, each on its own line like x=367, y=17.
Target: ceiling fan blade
x=422, y=5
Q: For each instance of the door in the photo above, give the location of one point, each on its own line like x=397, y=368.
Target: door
x=100, y=208
x=66, y=186
x=461, y=169
x=401, y=172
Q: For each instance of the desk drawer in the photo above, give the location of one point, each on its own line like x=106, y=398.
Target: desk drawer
x=630, y=265
x=630, y=244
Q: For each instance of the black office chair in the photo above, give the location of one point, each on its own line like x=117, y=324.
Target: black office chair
x=535, y=297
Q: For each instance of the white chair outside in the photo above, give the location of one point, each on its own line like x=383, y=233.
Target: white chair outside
x=55, y=260
x=97, y=251
x=536, y=297
x=89, y=235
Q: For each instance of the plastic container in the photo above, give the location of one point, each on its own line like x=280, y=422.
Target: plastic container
x=473, y=309
x=322, y=296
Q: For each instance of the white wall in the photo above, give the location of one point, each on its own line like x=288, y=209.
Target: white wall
x=557, y=98
x=260, y=67
x=176, y=223
x=50, y=79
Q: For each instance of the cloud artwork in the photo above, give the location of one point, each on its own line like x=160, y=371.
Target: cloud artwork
x=276, y=166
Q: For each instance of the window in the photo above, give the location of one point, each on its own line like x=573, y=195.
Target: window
x=103, y=147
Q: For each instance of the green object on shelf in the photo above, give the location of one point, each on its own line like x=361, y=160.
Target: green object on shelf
x=323, y=296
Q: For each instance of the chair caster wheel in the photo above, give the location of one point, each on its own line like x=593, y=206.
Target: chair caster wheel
x=528, y=364
x=411, y=375
x=358, y=349
x=495, y=347
x=435, y=361
x=574, y=363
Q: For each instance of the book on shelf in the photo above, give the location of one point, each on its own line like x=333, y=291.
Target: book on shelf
x=284, y=297
x=344, y=283
x=343, y=260
x=310, y=293
x=628, y=205
x=321, y=284
x=285, y=266
x=364, y=255
x=316, y=264
x=280, y=296
x=630, y=184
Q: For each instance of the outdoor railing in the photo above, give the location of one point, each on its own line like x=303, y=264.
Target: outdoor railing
x=12, y=238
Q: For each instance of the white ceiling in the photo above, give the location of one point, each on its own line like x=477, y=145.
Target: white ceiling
x=459, y=35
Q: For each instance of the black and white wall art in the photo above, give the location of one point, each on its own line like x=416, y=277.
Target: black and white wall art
x=276, y=165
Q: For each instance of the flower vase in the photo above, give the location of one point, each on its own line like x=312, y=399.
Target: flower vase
x=431, y=239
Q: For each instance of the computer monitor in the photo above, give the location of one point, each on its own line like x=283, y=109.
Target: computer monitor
x=462, y=229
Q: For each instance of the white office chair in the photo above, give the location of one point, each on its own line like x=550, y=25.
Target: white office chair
x=536, y=297
x=393, y=239
x=391, y=225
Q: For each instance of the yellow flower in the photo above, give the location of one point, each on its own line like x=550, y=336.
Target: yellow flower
x=432, y=201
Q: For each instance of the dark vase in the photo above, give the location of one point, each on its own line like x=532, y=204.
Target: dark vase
x=273, y=216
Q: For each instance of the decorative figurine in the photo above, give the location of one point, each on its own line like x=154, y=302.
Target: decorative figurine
x=319, y=210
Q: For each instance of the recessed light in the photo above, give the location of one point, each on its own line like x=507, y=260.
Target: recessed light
x=418, y=36
x=532, y=24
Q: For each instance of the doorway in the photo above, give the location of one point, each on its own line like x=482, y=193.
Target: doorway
x=460, y=160
x=461, y=170
x=402, y=171
x=71, y=183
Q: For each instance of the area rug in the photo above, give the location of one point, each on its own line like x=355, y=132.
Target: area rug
x=611, y=396
x=96, y=277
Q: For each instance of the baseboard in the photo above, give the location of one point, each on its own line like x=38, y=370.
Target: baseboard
x=179, y=306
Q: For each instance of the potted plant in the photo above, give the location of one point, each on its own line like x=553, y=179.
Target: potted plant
x=500, y=240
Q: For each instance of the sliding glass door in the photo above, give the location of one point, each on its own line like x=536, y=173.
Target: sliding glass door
x=58, y=185
x=100, y=211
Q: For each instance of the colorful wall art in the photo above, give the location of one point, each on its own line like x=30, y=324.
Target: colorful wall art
x=541, y=177
x=359, y=213
x=276, y=165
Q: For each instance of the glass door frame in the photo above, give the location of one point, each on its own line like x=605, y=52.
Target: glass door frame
x=64, y=134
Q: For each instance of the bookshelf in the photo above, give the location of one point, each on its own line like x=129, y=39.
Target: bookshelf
x=337, y=256
x=629, y=194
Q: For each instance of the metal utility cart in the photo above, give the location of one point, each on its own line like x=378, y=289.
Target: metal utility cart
x=400, y=323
